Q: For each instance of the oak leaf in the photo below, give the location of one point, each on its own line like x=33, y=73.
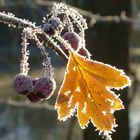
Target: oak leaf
x=86, y=92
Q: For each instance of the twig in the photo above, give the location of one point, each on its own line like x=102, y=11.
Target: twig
x=24, y=65
x=13, y=21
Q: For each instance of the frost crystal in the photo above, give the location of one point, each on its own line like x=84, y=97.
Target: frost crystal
x=24, y=65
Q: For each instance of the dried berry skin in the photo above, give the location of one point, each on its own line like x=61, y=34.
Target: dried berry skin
x=73, y=39
x=44, y=87
x=23, y=84
x=33, y=97
x=52, y=26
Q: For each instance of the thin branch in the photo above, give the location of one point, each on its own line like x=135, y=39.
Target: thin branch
x=63, y=41
x=24, y=65
x=47, y=67
x=54, y=46
x=13, y=21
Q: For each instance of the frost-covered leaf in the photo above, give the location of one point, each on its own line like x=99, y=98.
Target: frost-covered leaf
x=86, y=92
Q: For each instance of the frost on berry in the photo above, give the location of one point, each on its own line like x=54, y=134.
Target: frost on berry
x=53, y=26
x=23, y=84
x=33, y=97
x=73, y=39
x=44, y=87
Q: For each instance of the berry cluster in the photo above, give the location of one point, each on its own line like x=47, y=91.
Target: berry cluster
x=36, y=90
x=66, y=27
x=64, y=31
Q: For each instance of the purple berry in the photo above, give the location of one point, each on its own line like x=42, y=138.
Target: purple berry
x=33, y=97
x=84, y=52
x=52, y=26
x=34, y=81
x=44, y=87
x=23, y=84
x=54, y=22
x=73, y=39
x=48, y=29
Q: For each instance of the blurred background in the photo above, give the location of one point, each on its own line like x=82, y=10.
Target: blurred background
x=113, y=37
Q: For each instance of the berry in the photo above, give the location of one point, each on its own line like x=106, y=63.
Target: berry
x=53, y=26
x=44, y=87
x=33, y=97
x=73, y=39
x=84, y=52
x=23, y=84
x=54, y=22
x=34, y=81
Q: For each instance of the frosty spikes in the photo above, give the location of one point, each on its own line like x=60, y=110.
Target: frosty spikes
x=24, y=65
x=47, y=66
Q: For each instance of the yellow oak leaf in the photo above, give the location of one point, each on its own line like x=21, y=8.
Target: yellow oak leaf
x=86, y=92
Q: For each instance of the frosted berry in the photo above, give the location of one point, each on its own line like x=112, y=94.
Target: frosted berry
x=84, y=52
x=54, y=22
x=33, y=97
x=23, y=84
x=44, y=87
x=73, y=39
x=52, y=26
